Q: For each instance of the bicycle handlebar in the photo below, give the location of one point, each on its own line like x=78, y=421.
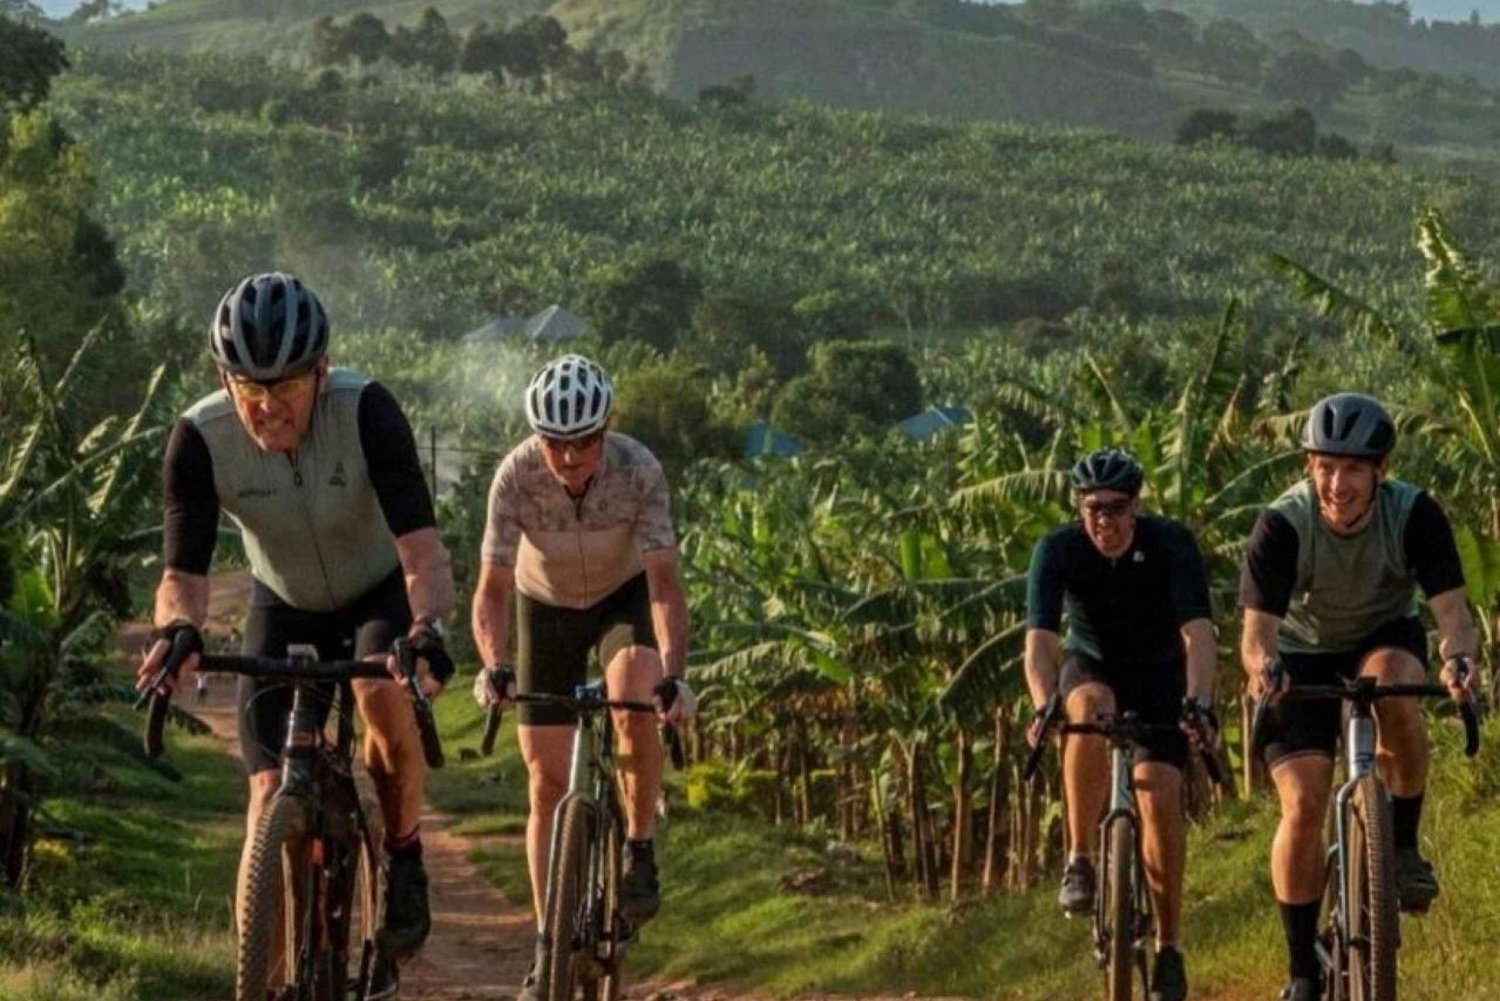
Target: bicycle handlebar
x=585, y=704
x=1126, y=729
x=1363, y=691
x=291, y=670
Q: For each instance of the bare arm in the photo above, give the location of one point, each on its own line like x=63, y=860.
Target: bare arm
x=1258, y=648
x=669, y=611
x=1202, y=657
x=1042, y=649
x=1456, y=637
x=428, y=573
x=181, y=596
x=490, y=614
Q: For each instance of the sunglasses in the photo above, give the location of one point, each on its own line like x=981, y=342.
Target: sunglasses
x=584, y=443
x=1106, y=509
x=282, y=390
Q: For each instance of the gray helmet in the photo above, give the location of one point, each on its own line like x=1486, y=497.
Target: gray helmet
x=268, y=327
x=570, y=397
x=1108, y=469
x=1349, y=424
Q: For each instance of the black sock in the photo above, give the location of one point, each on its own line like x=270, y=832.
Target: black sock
x=1406, y=814
x=638, y=848
x=1300, y=922
x=412, y=849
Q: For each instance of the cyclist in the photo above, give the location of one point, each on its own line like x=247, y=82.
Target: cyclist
x=1328, y=586
x=1140, y=638
x=318, y=468
x=580, y=529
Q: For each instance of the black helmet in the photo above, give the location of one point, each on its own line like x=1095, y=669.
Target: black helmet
x=1349, y=424
x=1108, y=469
x=268, y=327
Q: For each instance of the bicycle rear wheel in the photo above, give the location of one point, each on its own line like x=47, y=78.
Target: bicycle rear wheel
x=273, y=931
x=1370, y=894
x=566, y=923
x=1118, y=911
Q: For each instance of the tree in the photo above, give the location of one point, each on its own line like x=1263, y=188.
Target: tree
x=429, y=44
x=651, y=301
x=726, y=327
x=665, y=405
x=1305, y=76
x=1292, y=134
x=59, y=277
x=1207, y=124
x=852, y=387
x=29, y=59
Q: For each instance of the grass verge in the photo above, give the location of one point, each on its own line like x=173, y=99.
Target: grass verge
x=130, y=891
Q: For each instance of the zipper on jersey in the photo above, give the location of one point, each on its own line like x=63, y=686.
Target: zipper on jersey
x=312, y=534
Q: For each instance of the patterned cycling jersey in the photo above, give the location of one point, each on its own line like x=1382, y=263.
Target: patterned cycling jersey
x=573, y=552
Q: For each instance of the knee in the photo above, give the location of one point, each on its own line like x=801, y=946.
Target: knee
x=1303, y=811
x=1088, y=702
x=1159, y=788
x=546, y=788
x=634, y=673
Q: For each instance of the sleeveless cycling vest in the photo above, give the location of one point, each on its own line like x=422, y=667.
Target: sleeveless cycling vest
x=1347, y=586
x=313, y=528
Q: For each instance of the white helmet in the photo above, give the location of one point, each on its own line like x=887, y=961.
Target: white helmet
x=569, y=398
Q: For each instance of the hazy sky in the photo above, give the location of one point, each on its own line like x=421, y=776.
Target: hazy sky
x=1447, y=10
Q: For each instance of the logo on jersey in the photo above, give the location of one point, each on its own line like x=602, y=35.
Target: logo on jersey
x=338, y=479
x=1139, y=557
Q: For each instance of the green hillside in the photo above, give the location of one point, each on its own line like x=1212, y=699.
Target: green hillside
x=1117, y=66
x=507, y=202
x=1388, y=34
x=847, y=53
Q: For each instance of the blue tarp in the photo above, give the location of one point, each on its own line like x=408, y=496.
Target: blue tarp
x=762, y=439
x=934, y=420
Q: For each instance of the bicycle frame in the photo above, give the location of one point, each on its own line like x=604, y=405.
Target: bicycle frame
x=591, y=780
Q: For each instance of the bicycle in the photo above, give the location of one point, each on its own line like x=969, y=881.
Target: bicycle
x=314, y=876
x=1358, y=945
x=582, y=929
x=1122, y=920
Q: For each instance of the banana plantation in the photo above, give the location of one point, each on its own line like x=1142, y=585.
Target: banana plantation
x=858, y=608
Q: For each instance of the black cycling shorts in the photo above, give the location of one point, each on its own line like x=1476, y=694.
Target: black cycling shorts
x=370, y=625
x=553, y=643
x=1153, y=691
x=1312, y=727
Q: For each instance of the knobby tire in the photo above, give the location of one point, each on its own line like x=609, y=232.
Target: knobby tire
x=1119, y=912
x=1370, y=889
x=567, y=900
x=276, y=867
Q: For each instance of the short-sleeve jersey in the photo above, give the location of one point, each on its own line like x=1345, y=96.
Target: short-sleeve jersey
x=573, y=551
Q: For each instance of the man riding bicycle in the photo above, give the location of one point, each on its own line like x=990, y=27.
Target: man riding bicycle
x=318, y=468
x=580, y=530
x=1329, y=590
x=1139, y=639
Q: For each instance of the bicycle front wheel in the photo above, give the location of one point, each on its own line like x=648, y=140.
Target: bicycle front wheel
x=611, y=951
x=1118, y=911
x=1370, y=894
x=568, y=902
x=272, y=932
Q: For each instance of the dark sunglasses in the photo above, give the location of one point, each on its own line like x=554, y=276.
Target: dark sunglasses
x=1107, y=509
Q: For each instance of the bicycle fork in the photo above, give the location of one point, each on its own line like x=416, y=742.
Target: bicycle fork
x=1359, y=750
